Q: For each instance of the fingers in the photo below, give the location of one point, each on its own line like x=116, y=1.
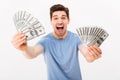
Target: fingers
x=18, y=40
x=98, y=49
x=18, y=36
x=95, y=51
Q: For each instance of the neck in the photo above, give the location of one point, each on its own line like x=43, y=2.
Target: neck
x=60, y=36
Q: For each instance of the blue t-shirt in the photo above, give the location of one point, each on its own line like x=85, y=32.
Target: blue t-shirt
x=61, y=57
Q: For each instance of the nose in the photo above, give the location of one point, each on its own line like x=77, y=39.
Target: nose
x=60, y=21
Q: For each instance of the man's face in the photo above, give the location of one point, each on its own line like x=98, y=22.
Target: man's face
x=59, y=22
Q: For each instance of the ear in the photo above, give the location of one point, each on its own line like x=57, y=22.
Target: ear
x=51, y=21
x=68, y=20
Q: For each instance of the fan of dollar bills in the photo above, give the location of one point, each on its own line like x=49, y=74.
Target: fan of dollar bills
x=28, y=24
x=92, y=35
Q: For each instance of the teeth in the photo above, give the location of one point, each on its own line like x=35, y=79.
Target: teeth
x=60, y=27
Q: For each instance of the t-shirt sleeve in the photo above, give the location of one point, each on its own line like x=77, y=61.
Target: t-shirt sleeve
x=42, y=42
x=79, y=42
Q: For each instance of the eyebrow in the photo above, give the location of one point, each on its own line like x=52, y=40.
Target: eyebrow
x=62, y=16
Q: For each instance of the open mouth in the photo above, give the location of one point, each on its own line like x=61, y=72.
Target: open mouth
x=60, y=28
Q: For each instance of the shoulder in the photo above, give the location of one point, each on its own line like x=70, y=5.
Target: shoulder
x=47, y=37
x=73, y=35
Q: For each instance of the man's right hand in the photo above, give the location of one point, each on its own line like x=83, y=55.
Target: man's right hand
x=19, y=41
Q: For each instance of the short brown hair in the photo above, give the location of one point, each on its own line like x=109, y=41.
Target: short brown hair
x=59, y=7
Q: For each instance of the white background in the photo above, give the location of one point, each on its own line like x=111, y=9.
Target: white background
x=103, y=13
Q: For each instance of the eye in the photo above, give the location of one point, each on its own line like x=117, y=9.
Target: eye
x=63, y=18
x=55, y=18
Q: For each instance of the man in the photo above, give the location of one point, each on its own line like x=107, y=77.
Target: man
x=60, y=48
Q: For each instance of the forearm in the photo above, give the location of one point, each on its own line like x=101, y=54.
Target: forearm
x=32, y=51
